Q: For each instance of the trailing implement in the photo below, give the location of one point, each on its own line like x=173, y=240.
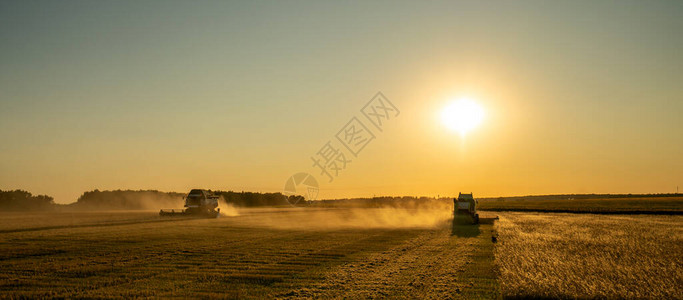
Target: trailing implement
x=197, y=203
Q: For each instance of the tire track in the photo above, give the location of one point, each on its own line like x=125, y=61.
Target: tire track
x=94, y=225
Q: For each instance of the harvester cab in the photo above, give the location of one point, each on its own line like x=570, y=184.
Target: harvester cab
x=465, y=209
x=197, y=203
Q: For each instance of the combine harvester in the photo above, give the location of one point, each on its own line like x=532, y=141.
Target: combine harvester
x=198, y=202
x=465, y=209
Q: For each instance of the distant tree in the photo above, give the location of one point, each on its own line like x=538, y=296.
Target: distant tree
x=297, y=200
x=127, y=199
x=23, y=200
x=250, y=199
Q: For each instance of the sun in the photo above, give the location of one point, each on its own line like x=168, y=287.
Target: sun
x=462, y=115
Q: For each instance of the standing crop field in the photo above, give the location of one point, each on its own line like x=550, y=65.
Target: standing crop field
x=278, y=253
x=631, y=205
x=590, y=256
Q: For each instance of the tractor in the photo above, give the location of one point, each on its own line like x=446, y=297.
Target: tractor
x=465, y=209
x=197, y=203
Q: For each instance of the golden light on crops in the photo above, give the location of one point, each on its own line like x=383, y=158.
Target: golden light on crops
x=462, y=115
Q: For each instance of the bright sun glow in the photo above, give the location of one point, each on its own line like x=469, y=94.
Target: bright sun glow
x=462, y=115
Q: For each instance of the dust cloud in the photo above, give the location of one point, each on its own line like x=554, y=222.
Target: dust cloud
x=126, y=200
x=227, y=209
x=346, y=218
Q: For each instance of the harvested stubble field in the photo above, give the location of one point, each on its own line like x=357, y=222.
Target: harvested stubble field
x=267, y=253
x=340, y=253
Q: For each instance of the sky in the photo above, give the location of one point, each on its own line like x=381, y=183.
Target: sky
x=578, y=96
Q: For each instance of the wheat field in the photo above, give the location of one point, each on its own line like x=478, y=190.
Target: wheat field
x=550, y=255
x=260, y=253
x=340, y=253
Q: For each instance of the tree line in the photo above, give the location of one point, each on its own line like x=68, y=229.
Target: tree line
x=19, y=200
x=127, y=199
x=250, y=199
x=23, y=200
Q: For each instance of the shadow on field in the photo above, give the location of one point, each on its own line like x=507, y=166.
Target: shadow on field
x=464, y=230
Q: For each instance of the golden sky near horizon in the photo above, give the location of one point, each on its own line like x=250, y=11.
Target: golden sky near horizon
x=578, y=97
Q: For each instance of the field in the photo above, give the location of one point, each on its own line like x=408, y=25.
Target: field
x=639, y=205
x=339, y=253
x=590, y=256
x=285, y=253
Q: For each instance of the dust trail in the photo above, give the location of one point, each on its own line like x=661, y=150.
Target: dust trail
x=227, y=209
x=127, y=200
x=343, y=218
